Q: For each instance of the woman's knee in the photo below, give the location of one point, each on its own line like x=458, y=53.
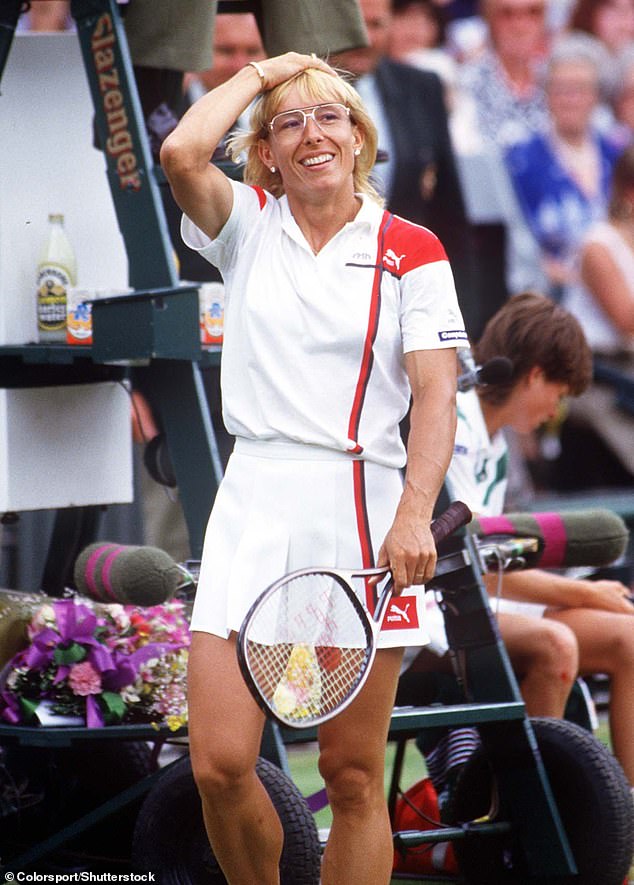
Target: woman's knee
x=559, y=649
x=351, y=784
x=620, y=656
x=222, y=773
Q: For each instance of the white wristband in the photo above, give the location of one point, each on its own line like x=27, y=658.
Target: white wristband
x=258, y=67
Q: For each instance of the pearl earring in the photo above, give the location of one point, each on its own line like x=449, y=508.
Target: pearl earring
x=273, y=169
x=357, y=151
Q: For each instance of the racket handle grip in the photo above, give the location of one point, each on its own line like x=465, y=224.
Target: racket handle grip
x=455, y=516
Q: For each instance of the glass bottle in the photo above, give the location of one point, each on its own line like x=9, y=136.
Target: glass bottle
x=56, y=272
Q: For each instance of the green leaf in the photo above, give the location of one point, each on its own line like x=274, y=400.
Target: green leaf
x=115, y=706
x=71, y=655
x=29, y=707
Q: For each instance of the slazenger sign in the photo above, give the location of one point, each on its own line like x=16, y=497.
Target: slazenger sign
x=119, y=143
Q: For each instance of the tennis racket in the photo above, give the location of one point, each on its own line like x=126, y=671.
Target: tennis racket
x=307, y=643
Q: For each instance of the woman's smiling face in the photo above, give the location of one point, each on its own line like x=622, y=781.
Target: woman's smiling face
x=313, y=149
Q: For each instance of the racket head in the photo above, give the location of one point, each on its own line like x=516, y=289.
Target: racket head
x=306, y=646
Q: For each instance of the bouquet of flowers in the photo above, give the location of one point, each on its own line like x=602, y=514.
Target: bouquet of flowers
x=103, y=664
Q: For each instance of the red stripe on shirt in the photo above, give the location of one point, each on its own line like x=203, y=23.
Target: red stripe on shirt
x=368, y=356
x=363, y=529
x=261, y=195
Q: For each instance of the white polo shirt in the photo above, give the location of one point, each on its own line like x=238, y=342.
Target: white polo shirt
x=313, y=344
x=478, y=470
x=477, y=476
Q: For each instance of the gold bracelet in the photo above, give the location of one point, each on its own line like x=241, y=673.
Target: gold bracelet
x=258, y=67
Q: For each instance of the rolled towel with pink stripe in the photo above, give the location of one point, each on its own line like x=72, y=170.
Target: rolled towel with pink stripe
x=128, y=575
x=567, y=539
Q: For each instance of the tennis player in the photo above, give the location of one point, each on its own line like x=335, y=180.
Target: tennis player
x=336, y=313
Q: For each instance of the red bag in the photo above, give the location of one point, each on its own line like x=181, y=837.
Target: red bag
x=415, y=810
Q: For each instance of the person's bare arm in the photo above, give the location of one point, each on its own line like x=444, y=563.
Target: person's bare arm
x=602, y=276
x=408, y=547
x=201, y=190
x=558, y=591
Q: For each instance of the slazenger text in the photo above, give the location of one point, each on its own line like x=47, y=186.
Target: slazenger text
x=119, y=141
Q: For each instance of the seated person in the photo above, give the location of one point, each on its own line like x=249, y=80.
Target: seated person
x=554, y=626
x=561, y=175
x=603, y=302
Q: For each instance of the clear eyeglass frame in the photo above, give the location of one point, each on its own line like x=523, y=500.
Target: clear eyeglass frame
x=289, y=124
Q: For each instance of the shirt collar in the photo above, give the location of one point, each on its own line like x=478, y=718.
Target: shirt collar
x=368, y=216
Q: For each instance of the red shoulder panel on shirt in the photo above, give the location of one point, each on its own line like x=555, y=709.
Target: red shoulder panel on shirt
x=407, y=246
x=261, y=195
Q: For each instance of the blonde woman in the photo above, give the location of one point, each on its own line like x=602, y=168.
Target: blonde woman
x=336, y=313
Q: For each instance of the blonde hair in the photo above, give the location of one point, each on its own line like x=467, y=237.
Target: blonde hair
x=314, y=86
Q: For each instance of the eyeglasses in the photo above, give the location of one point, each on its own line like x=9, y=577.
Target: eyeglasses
x=290, y=124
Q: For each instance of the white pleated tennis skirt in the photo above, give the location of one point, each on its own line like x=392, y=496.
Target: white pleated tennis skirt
x=282, y=507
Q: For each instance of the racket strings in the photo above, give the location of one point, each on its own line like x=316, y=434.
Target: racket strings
x=306, y=648
x=304, y=682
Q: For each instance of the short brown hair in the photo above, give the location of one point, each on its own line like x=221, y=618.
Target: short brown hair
x=533, y=330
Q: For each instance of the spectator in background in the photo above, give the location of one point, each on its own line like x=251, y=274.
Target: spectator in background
x=417, y=36
x=610, y=21
x=603, y=302
x=418, y=175
x=237, y=41
x=503, y=92
x=607, y=269
x=53, y=15
x=562, y=176
x=504, y=81
x=622, y=98
x=417, y=25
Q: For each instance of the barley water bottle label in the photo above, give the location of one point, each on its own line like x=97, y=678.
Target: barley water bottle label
x=52, y=287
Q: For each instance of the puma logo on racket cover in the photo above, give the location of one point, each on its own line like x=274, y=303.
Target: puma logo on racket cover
x=402, y=613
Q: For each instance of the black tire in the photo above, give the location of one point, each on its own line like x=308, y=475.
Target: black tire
x=170, y=838
x=593, y=798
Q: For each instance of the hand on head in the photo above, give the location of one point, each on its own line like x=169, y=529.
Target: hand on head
x=283, y=67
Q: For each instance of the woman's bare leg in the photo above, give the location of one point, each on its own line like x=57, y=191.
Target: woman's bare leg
x=352, y=762
x=225, y=730
x=606, y=645
x=545, y=660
